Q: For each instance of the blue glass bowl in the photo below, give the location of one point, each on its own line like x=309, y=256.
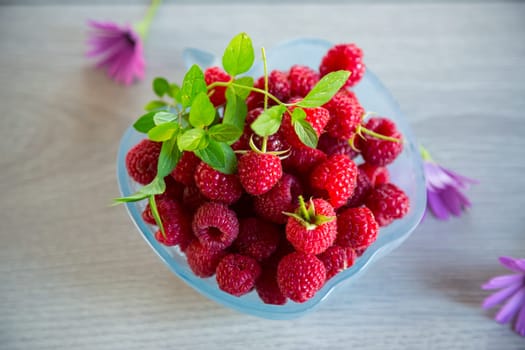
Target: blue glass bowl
x=406, y=172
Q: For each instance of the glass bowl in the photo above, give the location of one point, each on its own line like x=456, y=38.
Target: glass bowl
x=406, y=172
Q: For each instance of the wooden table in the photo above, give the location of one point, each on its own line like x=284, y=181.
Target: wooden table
x=74, y=273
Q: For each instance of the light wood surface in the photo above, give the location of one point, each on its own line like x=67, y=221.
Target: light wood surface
x=75, y=274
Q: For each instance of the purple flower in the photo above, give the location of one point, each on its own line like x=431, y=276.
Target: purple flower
x=119, y=50
x=512, y=291
x=444, y=189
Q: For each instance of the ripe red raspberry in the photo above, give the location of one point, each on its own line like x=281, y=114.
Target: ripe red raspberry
x=301, y=161
x=331, y=146
x=317, y=117
x=336, y=259
x=300, y=276
x=257, y=238
x=275, y=142
x=267, y=287
x=278, y=85
x=281, y=198
x=174, y=188
x=236, y=274
x=346, y=113
x=212, y=75
x=376, y=174
x=259, y=172
x=217, y=186
x=335, y=179
x=176, y=222
x=185, y=169
x=141, y=161
x=387, y=202
x=361, y=190
x=192, y=198
x=215, y=225
x=202, y=260
x=356, y=228
x=347, y=57
x=254, y=100
x=380, y=152
x=302, y=80
x=313, y=227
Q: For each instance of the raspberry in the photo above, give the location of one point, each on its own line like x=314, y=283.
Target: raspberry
x=301, y=161
x=335, y=179
x=347, y=57
x=203, y=261
x=185, y=169
x=259, y=172
x=302, y=80
x=212, y=75
x=281, y=198
x=346, y=113
x=174, y=189
x=312, y=228
x=387, y=202
x=317, y=117
x=278, y=85
x=376, y=174
x=275, y=142
x=254, y=100
x=141, y=161
x=217, y=186
x=361, y=190
x=215, y=225
x=356, y=228
x=236, y=274
x=192, y=198
x=331, y=146
x=380, y=152
x=267, y=287
x=336, y=259
x=300, y=276
x=176, y=222
x=257, y=238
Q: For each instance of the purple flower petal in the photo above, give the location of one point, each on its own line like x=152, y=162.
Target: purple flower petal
x=437, y=206
x=503, y=281
x=499, y=297
x=517, y=265
x=451, y=200
x=511, y=307
x=460, y=179
x=520, y=322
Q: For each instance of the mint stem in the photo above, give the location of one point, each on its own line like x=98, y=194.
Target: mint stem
x=265, y=65
x=142, y=27
x=377, y=135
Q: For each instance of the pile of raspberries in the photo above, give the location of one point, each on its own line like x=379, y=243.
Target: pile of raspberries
x=282, y=226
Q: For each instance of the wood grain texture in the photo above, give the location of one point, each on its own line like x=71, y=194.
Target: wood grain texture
x=76, y=274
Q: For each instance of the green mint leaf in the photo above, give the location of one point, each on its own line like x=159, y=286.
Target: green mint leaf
x=202, y=112
x=192, y=139
x=219, y=156
x=239, y=55
x=157, y=186
x=192, y=85
x=163, y=132
x=164, y=117
x=155, y=105
x=168, y=158
x=298, y=114
x=243, y=92
x=156, y=215
x=225, y=133
x=269, y=121
x=325, y=89
x=145, y=123
x=305, y=132
x=173, y=91
x=160, y=86
x=235, y=110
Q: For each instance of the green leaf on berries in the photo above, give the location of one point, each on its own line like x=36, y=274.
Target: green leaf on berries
x=156, y=215
x=202, y=112
x=192, y=139
x=163, y=132
x=174, y=91
x=298, y=114
x=325, y=89
x=157, y=186
x=269, y=121
x=225, y=133
x=168, y=158
x=235, y=110
x=164, y=117
x=145, y=123
x=155, y=105
x=305, y=132
x=160, y=86
x=192, y=85
x=242, y=92
x=219, y=156
x=239, y=55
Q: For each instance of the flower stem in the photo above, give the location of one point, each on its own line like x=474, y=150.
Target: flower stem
x=142, y=27
x=425, y=154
